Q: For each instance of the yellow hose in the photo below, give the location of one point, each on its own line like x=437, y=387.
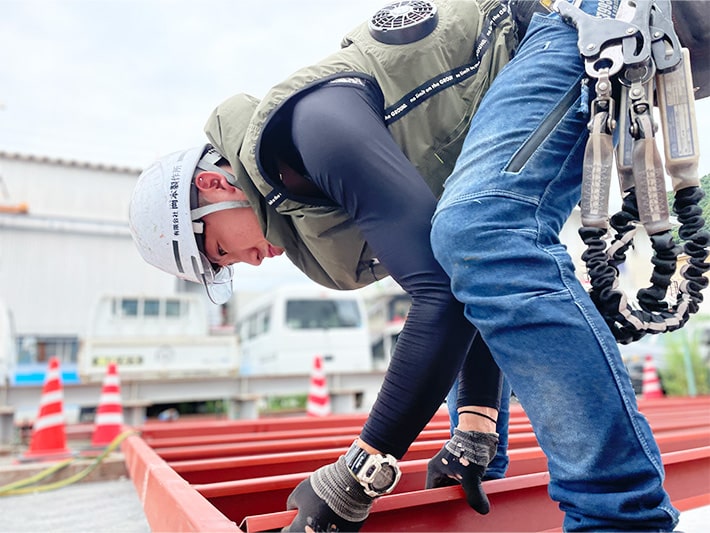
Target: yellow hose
x=27, y=486
x=37, y=477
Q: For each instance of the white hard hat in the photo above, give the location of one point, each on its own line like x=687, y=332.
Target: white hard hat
x=164, y=224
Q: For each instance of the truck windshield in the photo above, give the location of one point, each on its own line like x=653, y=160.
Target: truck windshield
x=320, y=314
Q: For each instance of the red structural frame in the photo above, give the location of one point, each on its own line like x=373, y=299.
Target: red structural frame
x=238, y=478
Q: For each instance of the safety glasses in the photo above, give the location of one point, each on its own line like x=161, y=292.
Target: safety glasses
x=216, y=279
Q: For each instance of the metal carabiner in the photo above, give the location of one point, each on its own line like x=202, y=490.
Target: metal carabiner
x=599, y=39
x=609, y=60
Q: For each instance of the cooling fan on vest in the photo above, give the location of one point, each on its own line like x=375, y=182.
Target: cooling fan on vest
x=404, y=22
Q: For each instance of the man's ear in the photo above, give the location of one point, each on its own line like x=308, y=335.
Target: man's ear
x=209, y=180
x=214, y=187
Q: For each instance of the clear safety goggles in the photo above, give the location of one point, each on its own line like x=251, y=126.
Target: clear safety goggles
x=216, y=279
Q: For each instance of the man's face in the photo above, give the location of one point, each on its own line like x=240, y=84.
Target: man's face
x=234, y=236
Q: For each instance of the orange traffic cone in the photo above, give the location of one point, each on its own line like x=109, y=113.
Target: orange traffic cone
x=108, y=422
x=49, y=438
x=651, y=384
x=318, y=397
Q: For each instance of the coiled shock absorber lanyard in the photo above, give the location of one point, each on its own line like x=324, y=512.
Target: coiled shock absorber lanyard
x=637, y=55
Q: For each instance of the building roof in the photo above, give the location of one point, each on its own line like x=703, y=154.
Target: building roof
x=52, y=160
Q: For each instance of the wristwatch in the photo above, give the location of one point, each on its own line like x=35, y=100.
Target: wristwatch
x=377, y=473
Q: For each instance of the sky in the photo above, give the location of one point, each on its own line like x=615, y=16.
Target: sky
x=126, y=81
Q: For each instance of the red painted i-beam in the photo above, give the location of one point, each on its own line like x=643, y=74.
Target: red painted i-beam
x=518, y=503
x=218, y=501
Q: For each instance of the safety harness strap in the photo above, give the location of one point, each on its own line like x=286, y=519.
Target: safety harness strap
x=639, y=53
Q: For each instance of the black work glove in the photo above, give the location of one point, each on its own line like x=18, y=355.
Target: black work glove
x=464, y=459
x=330, y=500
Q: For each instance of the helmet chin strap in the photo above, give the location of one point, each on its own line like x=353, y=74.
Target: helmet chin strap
x=198, y=213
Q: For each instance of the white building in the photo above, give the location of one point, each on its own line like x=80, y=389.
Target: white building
x=64, y=241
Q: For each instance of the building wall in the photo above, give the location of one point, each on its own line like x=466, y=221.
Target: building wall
x=72, y=245
x=53, y=187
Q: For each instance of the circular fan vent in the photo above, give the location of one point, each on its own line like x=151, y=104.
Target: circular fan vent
x=404, y=22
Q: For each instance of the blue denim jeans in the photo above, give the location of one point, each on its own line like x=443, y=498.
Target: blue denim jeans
x=496, y=233
x=498, y=467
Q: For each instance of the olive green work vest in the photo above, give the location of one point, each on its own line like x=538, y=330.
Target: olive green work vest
x=432, y=88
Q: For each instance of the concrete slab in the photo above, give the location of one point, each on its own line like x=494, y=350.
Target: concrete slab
x=104, y=506
x=695, y=520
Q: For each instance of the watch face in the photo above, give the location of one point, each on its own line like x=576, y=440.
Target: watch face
x=384, y=478
x=378, y=474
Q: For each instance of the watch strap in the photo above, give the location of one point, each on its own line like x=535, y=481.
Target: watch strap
x=355, y=458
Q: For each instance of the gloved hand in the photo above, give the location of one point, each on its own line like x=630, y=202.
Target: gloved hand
x=463, y=459
x=331, y=500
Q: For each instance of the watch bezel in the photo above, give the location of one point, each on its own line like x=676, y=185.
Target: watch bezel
x=365, y=467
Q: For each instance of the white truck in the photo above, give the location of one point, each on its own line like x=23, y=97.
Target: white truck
x=387, y=306
x=281, y=331
x=156, y=337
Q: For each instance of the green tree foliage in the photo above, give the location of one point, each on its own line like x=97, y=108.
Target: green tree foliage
x=704, y=203
x=286, y=403
x=683, y=361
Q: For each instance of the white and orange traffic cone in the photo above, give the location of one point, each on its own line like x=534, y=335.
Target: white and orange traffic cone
x=108, y=422
x=318, y=397
x=49, y=438
x=651, y=384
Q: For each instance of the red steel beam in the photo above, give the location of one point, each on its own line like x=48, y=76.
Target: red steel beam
x=687, y=481
x=658, y=423
x=233, y=438
x=176, y=429
x=202, y=471
x=250, y=466
x=518, y=503
x=672, y=402
x=180, y=428
x=239, y=498
x=273, y=446
x=169, y=503
x=266, y=445
x=267, y=493
x=234, y=435
x=197, y=439
x=184, y=453
x=242, y=469
x=693, y=416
